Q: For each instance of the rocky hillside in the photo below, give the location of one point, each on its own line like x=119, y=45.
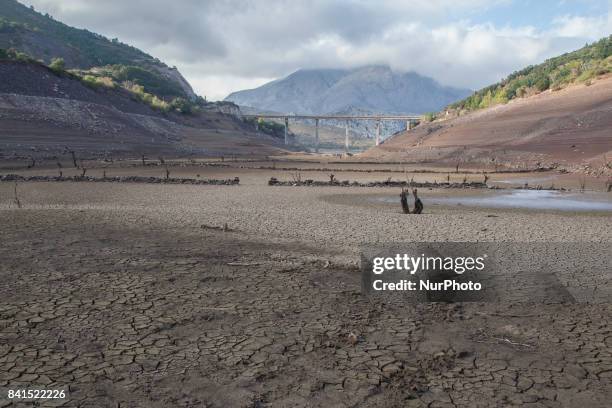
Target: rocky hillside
x=580, y=66
x=45, y=114
x=43, y=38
x=370, y=88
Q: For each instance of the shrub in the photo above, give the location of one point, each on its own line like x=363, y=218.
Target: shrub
x=57, y=65
x=181, y=105
x=429, y=117
x=271, y=128
x=152, y=81
x=97, y=82
x=542, y=84
x=151, y=100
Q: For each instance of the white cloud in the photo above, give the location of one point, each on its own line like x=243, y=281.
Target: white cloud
x=223, y=85
x=227, y=45
x=583, y=27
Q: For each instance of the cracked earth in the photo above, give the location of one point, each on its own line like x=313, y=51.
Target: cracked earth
x=150, y=314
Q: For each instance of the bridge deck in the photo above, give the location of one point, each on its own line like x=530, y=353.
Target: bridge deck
x=335, y=117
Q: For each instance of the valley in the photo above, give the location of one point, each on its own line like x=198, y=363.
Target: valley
x=160, y=248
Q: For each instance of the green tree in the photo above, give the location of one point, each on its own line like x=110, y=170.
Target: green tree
x=542, y=83
x=500, y=97
x=486, y=101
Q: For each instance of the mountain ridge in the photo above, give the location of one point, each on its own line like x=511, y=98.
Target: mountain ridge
x=371, y=87
x=580, y=66
x=44, y=114
x=44, y=38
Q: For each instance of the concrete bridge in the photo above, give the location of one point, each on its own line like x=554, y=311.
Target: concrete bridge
x=411, y=120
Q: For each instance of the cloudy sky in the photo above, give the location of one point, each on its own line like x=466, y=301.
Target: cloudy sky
x=222, y=46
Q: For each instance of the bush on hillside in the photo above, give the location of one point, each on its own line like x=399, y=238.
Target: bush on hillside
x=429, y=117
x=556, y=73
x=14, y=55
x=181, y=105
x=152, y=81
x=57, y=65
x=274, y=129
x=97, y=82
x=152, y=100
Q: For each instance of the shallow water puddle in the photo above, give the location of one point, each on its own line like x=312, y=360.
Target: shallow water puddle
x=530, y=199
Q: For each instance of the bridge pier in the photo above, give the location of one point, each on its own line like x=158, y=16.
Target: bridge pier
x=317, y=135
x=286, y=130
x=346, y=137
x=411, y=121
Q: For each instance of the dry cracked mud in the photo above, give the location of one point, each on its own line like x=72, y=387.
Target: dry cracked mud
x=143, y=314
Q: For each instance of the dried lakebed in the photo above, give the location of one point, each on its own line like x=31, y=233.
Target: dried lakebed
x=116, y=293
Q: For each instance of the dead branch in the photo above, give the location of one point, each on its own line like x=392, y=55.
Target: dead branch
x=297, y=177
x=16, y=197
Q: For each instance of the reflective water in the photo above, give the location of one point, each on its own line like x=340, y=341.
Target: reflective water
x=530, y=199
x=532, y=181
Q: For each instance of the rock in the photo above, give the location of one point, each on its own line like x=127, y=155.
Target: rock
x=390, y=369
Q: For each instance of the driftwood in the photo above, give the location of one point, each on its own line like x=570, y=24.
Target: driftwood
x=404, y=201
x=16, y=197
x=387, y=183
x=126, y=179
x=418, y=204
x=74, y=159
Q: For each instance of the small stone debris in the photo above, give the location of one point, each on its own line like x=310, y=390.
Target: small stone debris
x=224, y=228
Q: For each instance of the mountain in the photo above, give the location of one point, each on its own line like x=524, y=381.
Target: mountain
x=65, y=89
x=580, y=66
x=370, y=88
x=43, y=38
x=555, y=114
